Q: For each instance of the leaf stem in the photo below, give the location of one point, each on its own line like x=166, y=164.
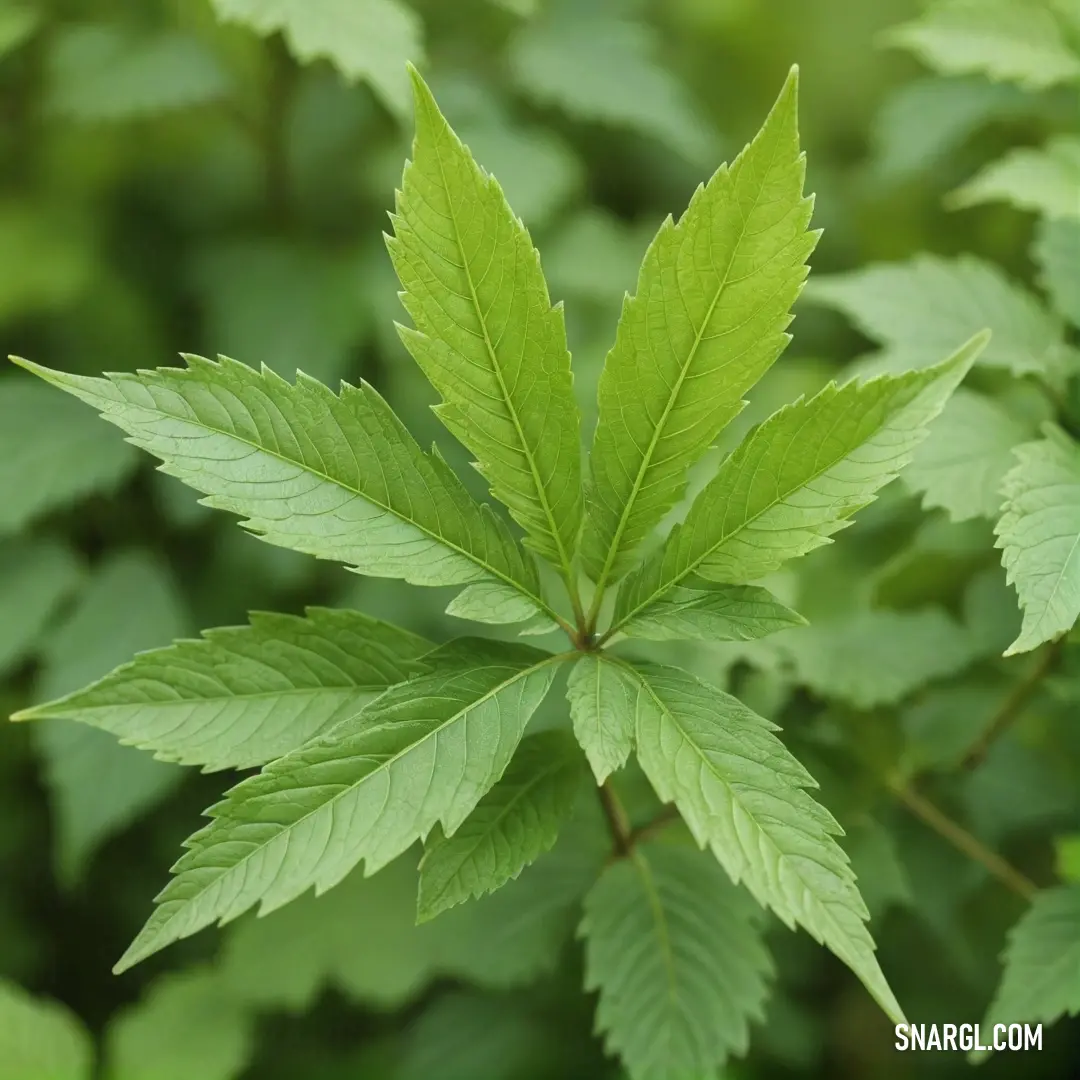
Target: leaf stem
x=961, y=839
x=1013, y=706
x=618, y=822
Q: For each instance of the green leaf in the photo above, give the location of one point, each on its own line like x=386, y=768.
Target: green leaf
x=796, y=479
x=962, y=463
x=486, y=334
x=40, y=1039
x=512, y=825
x=242, y=696
x=677, y=954
x=1046, y=181
x=424, y=753
x=1067, y=862
x=97, y=787
x=369, y=40
x=713, y=299
x=925, y=307
x=743, y=794
x=1012, y=40
x=602, y=709
x=878, y=657
x=52, y=452
x=1039, y=534
x=1041, y=981
x=1054, y=252
x=187, y=1026
x=599, y=66
x=18, y=23
x=713, y=613
x=335, y=477
x=103, y=73
x=35, y=579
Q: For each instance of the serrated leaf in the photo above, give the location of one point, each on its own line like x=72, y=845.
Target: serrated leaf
x=743, y=795
x=597, y=65
x=1054, y=251
x=364, y=39
x=1046, y=181
x=187, y=1026
x=103, y=73
x=52, y=453
x=677, y=954
x=713, y=613
x=1041, y=981
x=486, y=335
x=40, y=1039
x=1039, y=534
x=878, y=657
x=424, y=753
x=492, y=602
x=333, y=476
x=242, y=696
x=925, y=307
x=96, y=786
x=512, y=825
x=713, y=299
x=797, y=479
x=602, y=709
x=35, y=579
x=963, y=461
x=1013, y=40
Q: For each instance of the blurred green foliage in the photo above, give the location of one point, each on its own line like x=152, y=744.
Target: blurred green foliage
x=214, y=177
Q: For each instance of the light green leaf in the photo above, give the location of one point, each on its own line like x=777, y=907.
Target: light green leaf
x=424, y=753
x=927, y=306
x=1046, y=181
x=242, y=696
x=1012, y=40
x=18, y=23
x=364, y=39
x=512, y=825
x=598, y=66
x=1067, y=861
x=35, y=579
x=493, y=602
x=524, y=8
x=677, y=954
x=1041, y=981
x=337, y=477
x=713, y=299
x=187, y=1026
x=96, y=786
x=40, y=1039
x=878, y=657
x=963, y=461
x=1054, y=252
x=52, y=452
x=602, y=709
x=713, y=613
x=1039, y=534
x=796, y=479
x=743, y=794
x=104, y=73
x=486, y=334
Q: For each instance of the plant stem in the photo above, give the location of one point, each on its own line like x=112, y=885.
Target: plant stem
x=668, y=815
x=618, y=822
x=1013, y=706
x=962, y=840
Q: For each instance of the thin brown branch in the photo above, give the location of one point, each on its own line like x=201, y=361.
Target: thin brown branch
x=962, y=840
x=1013, y=706
x=618, y=822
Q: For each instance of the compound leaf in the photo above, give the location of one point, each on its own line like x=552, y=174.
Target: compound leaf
x=486, y=334
x=337, y=477
x=1039, y=534
x=713, y=299
x=676, y=951
x=424, y=753
x=242, y=696
x=1012, y=40
x=743, y=795
x=41, y=1039
x=796, y=479
x=602, y=710
x=512, y=825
